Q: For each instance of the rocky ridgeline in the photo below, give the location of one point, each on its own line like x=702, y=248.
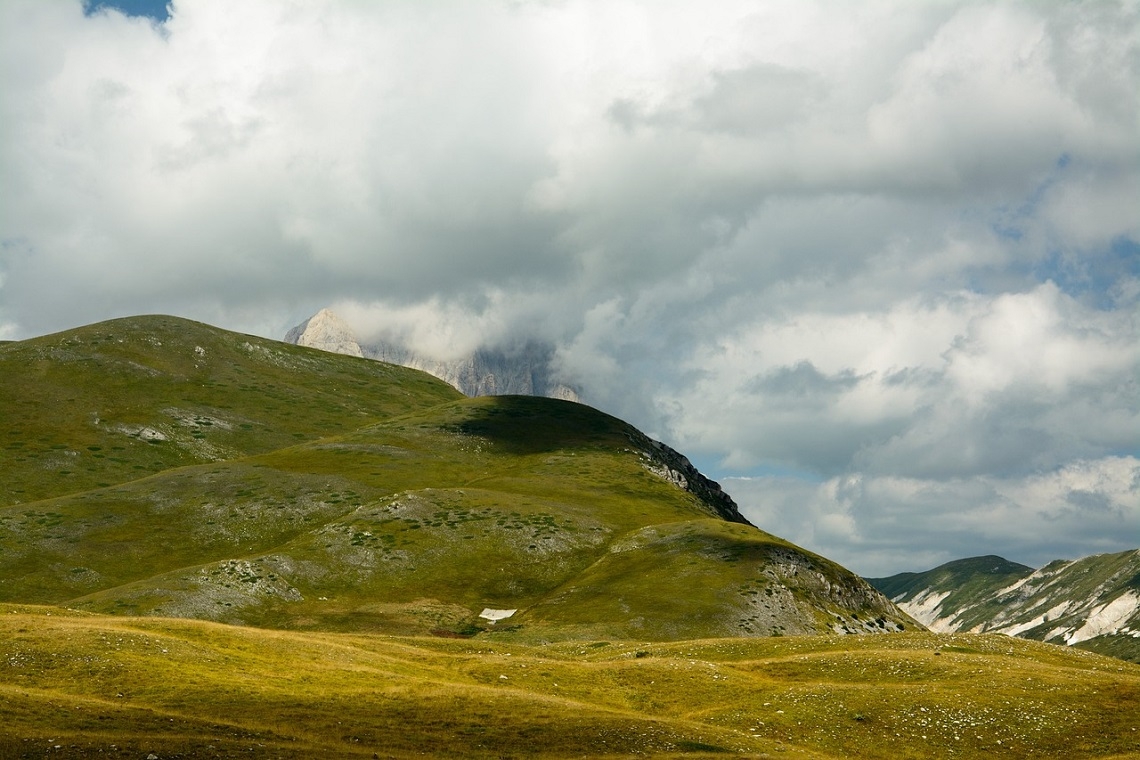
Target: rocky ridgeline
x=1093, y=602
x=485, y=372
x=675, y=467
x=496, y=373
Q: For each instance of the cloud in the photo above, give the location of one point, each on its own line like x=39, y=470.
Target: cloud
x=951, y=387
x=893, y=242
x=881, y=525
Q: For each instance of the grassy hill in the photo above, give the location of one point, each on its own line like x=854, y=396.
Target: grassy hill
x=111, y=402
x=80, y=685
x=181, y=470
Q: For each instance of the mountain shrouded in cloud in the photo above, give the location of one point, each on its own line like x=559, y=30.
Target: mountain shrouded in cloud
x=876, y=265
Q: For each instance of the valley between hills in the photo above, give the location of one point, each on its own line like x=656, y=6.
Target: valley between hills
x=217, y=545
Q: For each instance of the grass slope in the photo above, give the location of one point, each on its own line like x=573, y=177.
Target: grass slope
x=175, y=474
x=115, y=401
x=76, y=685
x=418, y=523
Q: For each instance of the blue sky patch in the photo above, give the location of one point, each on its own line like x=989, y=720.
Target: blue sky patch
x=155, y=9
x=1092, y=276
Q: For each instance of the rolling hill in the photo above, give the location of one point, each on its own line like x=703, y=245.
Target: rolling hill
x=109, y=403
x=80, y=685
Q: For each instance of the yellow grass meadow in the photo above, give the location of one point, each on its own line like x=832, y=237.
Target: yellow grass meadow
x=79, y=685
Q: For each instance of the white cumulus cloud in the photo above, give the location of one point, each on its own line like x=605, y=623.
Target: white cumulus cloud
x=816, y=243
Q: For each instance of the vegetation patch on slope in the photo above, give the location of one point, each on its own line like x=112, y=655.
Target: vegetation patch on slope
x=115, y=401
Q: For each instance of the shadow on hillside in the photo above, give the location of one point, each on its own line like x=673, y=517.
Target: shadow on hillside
x=533, y=424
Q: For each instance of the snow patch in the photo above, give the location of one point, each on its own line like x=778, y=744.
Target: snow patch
x=1058, y=610
x=1016, y=585
x=496, y=615
x=948, y=624
x=1042, y=574
x=1059, y=633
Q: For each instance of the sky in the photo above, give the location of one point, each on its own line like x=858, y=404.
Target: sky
x=874, y=266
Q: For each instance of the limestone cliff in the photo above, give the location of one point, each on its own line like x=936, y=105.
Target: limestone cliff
x=486, y=372
x=326, y=331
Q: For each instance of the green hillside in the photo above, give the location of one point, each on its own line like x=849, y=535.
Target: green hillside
x=111, y=402
x=966, y=581
x=290, y=488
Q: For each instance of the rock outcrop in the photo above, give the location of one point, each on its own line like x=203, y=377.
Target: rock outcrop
x=326, y=331
x=486, y=372
x=675, y=467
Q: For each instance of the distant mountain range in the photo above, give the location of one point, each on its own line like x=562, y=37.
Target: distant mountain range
x=1093, y=603
x=486, y=372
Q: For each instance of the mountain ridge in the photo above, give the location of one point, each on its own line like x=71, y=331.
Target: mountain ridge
x=1092, y=602
x=239, y=546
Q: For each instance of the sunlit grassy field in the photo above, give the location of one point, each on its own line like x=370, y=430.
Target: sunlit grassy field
x=74, y=684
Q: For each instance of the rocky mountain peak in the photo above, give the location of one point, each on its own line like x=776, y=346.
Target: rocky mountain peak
x=326, y=331
x=525, y=370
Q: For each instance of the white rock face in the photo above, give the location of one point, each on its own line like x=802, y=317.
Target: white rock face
x=487, y=372
x=326, y=331
x=926, y=608
x=1107, y=618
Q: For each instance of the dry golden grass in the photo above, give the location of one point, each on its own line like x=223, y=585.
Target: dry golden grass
x=73, y=684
